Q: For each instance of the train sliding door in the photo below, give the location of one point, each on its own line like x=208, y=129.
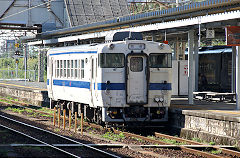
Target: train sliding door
x=50, y=76
x=137, y=83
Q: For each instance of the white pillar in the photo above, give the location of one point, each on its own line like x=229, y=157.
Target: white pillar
x=190, y=66
x=233, y=87
x=238, y=77
x=196, y=63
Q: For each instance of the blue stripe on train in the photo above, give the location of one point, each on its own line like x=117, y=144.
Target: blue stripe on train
x=111, y=86
x=69, y=83
x=104, y=86
x=160, y=86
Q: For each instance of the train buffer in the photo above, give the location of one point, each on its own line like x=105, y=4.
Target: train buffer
x=215, y=96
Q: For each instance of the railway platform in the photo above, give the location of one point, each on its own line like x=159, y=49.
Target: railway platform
x=206, y=120
x=32, y=92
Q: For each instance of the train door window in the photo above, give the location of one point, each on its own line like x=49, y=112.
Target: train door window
x=68, y=68
x=82, y=68
x=136, y=64
x=75, y=69
x=61, y=68
x=55, y=68
x=65, y=68
x=96, y=66
x=92, y=68
x=72, y=69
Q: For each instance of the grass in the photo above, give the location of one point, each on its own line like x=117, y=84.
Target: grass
x=137, y=139
x=171, y=141
x=197, y=140
x=5, y=101
x=212, y=143
x=216, y=152
x=113, y=136
x=56, y=129
x=17, y=110
x=43, y=109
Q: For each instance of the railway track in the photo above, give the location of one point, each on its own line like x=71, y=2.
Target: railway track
x=192, y=147
x=48, y=138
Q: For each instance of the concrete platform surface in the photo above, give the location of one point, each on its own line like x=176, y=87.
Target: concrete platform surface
x=42, y=86
x=204, y=108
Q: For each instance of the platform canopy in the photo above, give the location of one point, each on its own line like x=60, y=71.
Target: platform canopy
x=88, y=11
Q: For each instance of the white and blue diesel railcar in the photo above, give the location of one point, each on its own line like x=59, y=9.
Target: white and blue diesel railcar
x=117, y=82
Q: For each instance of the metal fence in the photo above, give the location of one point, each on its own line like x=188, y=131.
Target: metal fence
x=20, y=74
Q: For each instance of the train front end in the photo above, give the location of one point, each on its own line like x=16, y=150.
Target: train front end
x=136, y=77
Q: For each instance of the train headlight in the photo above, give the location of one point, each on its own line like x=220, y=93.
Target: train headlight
x=161, y=46
x=111, y=46
x=136, y=46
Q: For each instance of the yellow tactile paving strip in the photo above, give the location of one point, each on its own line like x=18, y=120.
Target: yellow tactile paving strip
x=7, y=84
x=225, y=111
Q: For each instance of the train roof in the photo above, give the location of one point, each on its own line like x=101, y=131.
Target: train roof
x=213, y=50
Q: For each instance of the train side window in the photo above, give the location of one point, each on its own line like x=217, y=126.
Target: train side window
x=72, y=69
x=75, y=69
x=61, y=68
x=68, y=68
x=79, y=68
x=82, y=68
x=160, y=60
x=65, y=68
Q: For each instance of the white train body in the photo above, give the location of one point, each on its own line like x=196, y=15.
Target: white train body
x=123, y=81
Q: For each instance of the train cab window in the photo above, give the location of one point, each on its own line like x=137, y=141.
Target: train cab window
x=160, y=60
x=111, y=60
x=136, y=64
x=82, y=68
x=75, y=68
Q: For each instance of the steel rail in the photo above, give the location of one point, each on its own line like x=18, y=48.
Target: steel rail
x=186, y=149
x=117, y=145
x=46, y=144
x=225, y=151
x=43, y=130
